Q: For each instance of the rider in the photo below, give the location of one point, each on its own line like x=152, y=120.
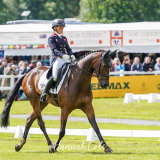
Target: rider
x=61, y=53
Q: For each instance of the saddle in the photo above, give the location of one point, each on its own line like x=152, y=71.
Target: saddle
x=61, y=72
x=60, y=75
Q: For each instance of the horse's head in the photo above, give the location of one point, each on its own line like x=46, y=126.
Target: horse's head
x=103, y=67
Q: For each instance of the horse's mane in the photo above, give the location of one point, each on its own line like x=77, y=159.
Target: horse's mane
x=89, y=53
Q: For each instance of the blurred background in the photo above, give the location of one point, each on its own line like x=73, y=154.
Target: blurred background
x=103, y=11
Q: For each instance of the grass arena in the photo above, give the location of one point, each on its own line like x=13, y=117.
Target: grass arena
x=76, y=147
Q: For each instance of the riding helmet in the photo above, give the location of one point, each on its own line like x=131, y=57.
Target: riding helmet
x=58, y=22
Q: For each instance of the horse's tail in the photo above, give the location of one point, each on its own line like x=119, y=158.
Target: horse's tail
x=9, y=100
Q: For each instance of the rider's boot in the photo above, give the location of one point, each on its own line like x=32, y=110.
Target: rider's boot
x=46, y=90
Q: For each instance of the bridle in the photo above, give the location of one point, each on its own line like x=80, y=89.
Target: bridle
x=107, y=61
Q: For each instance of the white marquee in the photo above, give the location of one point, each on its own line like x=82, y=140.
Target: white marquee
x=139, y=37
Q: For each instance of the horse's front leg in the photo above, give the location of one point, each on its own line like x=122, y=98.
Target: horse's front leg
x=89, y=111
x=64, y=117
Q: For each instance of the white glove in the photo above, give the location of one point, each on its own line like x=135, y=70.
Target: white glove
x=65, y=56
x=73, y=58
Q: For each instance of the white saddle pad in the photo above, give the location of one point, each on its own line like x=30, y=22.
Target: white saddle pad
x=43, y=81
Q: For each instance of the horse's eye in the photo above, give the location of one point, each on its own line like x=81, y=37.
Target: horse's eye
x=104, y=65
x=109, y=64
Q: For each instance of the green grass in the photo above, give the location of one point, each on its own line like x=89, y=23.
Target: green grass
x=106, y=108
x=123, y=148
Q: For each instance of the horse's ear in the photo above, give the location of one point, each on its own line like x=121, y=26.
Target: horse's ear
x=113, y=53
x=105, y=55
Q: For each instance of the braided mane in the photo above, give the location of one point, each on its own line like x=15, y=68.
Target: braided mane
x=88, y=53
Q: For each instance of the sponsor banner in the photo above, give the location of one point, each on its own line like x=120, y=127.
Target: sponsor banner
x=88, y=38
x=118, y=86
x=84, y=38
x=24, y=38
x=134, y=38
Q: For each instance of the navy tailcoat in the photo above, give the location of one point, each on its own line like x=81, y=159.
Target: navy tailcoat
x=59, y=47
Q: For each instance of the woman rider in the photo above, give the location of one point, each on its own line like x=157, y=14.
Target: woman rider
x=61, y=53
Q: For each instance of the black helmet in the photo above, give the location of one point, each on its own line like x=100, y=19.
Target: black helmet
x=58, y=22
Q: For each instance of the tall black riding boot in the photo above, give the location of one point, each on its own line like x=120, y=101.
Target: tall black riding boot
x=46, y=91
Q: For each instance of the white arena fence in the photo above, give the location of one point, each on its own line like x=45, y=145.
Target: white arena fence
x=91, y=135
x=151, y=97
x=121, y=73
x=12, y=81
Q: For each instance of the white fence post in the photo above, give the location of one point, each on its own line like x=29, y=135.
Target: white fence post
x=12, y=81
x=91, y=136
x=11, y=77
x=153, y=98
x=121, y=73
x=128, y=98
x=18, y=133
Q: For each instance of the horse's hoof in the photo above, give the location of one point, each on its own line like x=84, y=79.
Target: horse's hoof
x=108, y=150
x=17, y=148
x=52, y=150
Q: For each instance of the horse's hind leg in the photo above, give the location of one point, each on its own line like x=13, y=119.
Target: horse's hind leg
x=29, y=123
x=40, y=120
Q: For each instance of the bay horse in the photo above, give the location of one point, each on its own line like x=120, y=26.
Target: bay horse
x=78, y=96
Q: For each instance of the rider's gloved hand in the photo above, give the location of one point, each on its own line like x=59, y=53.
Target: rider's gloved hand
x=73, y=58
x=65, y=56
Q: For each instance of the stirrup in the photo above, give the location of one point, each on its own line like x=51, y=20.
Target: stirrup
x=43, y=97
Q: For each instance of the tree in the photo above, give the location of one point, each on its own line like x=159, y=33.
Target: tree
x=3, y=12
x=40, y=9
x=49, y=9
x=114, y=11
x=11, y=10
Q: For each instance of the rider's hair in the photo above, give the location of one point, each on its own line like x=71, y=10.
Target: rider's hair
x=54, y=29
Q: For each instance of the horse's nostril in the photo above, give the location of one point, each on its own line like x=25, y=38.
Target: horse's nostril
x=105, y=85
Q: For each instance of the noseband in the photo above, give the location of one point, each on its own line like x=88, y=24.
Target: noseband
x=109, y=65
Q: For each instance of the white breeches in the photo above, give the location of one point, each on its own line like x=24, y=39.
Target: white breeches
x=58, y=64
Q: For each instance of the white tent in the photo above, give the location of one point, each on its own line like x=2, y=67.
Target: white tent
x=140, y=37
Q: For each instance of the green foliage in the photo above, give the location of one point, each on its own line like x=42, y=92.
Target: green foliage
x=105, y=11
x=40, y=9
x=13, y=9
x=10, y=10
x=114, y=11
x=48, y=9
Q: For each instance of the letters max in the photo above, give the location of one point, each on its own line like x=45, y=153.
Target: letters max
x=118, y=85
